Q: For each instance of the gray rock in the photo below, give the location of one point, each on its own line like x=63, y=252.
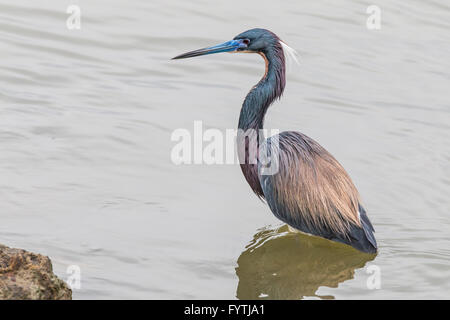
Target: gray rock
x=27, y=275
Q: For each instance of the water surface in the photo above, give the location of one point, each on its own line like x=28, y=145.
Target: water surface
x=86, y=118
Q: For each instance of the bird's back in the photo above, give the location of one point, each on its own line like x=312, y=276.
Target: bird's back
x=312, y=192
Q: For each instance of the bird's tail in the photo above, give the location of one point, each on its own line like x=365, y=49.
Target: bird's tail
x=361, y=237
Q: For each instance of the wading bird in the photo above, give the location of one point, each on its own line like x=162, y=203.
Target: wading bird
x=310, y=191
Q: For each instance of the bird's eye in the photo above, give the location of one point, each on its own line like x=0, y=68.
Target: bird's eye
x=246, y=41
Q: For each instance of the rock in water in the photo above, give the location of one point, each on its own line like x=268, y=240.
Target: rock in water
x=26, y=275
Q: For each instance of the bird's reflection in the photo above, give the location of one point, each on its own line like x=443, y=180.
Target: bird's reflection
x=278, y=264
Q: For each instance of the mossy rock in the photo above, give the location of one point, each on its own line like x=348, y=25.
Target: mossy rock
x=27, y=275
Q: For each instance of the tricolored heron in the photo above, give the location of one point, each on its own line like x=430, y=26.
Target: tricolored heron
x=310, y=191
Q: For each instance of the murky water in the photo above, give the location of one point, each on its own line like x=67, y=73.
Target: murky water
x=86, y=118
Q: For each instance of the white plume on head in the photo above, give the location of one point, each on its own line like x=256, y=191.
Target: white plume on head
x=290, y=54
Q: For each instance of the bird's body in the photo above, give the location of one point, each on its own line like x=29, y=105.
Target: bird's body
x=312, y=193
x=309, y=190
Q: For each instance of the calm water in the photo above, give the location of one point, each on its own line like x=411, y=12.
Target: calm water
x=86, y=118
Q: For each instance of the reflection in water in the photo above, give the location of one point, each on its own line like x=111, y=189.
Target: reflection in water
x=278, y=264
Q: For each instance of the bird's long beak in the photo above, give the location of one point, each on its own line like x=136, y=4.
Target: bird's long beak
x=229, y=46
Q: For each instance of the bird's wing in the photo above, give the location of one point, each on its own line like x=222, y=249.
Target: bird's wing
x=312, y=192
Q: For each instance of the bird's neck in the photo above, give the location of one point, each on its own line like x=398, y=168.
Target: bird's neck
x=269, y=88
x=253, y=110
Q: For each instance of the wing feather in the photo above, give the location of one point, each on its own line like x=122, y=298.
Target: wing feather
x=311, y=191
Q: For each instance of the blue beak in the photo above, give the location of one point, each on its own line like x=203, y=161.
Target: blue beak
x=229, y=46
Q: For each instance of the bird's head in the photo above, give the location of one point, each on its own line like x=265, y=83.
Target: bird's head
x=253, y=41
